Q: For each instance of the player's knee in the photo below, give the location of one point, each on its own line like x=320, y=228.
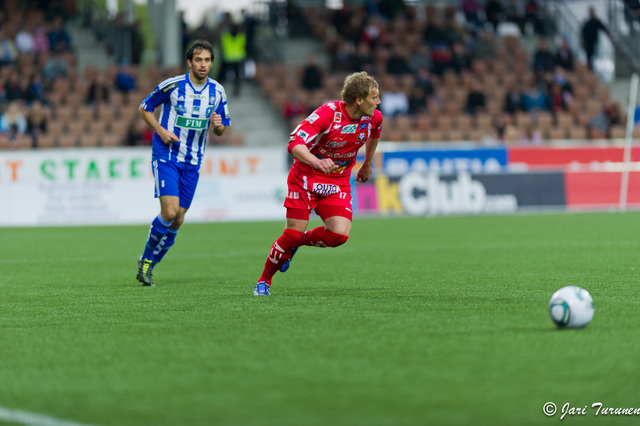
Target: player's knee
x=333, y=239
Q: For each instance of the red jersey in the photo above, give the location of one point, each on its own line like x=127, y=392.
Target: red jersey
x=329, y=132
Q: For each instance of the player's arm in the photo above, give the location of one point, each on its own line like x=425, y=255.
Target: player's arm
x=166, y=136
x=367, y=166
x=301, y=153
x=218, y=127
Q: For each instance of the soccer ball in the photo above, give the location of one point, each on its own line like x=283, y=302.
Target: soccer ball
x=571, y=307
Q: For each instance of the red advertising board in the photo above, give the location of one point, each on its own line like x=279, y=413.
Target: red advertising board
x=599, y=189
x=538, y=157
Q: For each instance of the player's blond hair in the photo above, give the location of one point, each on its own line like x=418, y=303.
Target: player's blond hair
x=357, y=85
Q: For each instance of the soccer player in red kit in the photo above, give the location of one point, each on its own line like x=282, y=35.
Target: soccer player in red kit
x=324, y=147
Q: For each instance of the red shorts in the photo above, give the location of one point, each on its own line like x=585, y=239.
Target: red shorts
x=329, y=197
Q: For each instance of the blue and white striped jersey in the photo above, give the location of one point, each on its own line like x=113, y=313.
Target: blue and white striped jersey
x=186, y=112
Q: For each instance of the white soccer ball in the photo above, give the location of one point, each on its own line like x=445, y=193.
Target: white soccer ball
x=571, y=307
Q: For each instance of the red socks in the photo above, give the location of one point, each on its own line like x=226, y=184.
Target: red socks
x=280, y=251
x=290, y=239
x=321, y=237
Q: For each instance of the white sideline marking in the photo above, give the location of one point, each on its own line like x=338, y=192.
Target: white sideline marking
x=32, y=419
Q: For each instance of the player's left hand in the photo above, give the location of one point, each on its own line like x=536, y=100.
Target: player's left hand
x=364, y=174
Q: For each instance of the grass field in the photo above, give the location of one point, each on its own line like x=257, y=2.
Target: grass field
x=415, y=321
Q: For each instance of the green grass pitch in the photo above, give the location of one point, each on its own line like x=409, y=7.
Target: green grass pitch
x=414, y=321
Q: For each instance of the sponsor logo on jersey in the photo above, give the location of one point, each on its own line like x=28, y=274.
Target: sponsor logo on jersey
x=334, y=144
x=181, y=109
x=325, y=188
x=303, y=135
x=337, y=126
x=337, y=117
x=362, y=136
x=349, y=128
x=191, y=123
x=181, y=98
x=313, y=117
x=333, y=106
x=363, y=125
x=169, y=87
x=342, y=165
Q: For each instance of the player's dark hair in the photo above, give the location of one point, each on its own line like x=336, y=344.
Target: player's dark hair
x=198, y=46
x=357, y=85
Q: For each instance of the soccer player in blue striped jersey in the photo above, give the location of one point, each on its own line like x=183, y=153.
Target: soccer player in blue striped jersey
x=190, y=105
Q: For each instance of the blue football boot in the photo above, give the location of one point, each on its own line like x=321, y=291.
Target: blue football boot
x=287, y=264
x=261, y=289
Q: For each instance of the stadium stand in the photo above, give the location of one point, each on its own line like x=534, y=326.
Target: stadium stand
x=447, y=55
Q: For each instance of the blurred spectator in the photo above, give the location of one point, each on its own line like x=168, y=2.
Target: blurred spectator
x=293, y=109
x=391, y=8
x=441, y=57
x=424, y=81
x=417, y=101
x=13, y=123
x=533, y=17
x=13, y=86
x=543, y=59
x=471, y=10
x=40, y=40
x=560, y=77
x=557, y=99
x=453, y=31
x=632, y=15
x=312, y=78
x=476, y=99
x=25, y=41
x=534, y=99
x=564, y=56
x=433, y=33
x=36, y=122
x=362, y=60
x=34, y=91
x=420, y=58
x=514, y=99
x=460, y=58
x=99, y=90
x=513, y=13
x=397, y=63
x=8, y=51
x=494, y=11
x=505, y=128
x=249, y=23
x=393, y=100
x=58, y=36
x=599, y=126
x=233, y=44
x=55, y=67
x=373, y=33
x=590, y=31
x=485, y=45
x=531, y=136
x=341, y=55
x=138, y=133
x=137, y=43
x=125, y=80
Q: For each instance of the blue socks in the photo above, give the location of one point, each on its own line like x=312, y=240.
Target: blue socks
x=165, y=244
x=157, y=232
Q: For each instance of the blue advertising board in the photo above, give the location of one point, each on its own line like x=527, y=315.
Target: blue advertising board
x=444, y=161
